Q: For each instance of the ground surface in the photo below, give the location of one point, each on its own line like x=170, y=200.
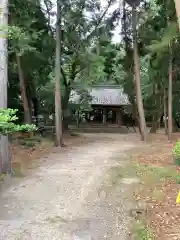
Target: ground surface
x=71, y=195
x=160, y=179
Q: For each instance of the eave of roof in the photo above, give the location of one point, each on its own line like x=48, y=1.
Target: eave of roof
x=105, y=96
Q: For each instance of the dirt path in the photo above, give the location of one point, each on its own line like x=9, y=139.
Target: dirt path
x=67, y=197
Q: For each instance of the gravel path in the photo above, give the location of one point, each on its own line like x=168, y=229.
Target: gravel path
x=67, y=198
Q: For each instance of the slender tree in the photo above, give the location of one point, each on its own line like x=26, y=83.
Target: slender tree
x=5, y=165
x=170, y=95
x=137, y=77
x=27, y=115
x=58, y=108
x=165, y=111
x=177, y=5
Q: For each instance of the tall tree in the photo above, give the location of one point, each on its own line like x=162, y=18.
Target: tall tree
x=30, y=55
x=27, y=114
x=170, y=95
x=58, y=108
x=79, y=35
x=165, y=111
x=5, y=165
x=177, y=5
x=137, y=76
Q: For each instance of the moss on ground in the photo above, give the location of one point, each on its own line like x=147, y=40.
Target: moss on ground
x=140, y=231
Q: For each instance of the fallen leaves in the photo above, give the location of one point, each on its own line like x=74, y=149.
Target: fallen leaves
x=163, y=212
x=24, y=158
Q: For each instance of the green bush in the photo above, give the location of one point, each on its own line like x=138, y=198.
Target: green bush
x=28, y=144
x=176, y=153
x=8, y=125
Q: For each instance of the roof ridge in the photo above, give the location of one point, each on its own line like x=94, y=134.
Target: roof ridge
x=99, y=86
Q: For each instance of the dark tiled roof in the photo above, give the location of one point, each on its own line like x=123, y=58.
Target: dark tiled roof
x=104, y=96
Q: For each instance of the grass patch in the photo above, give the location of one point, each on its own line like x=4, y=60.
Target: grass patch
x=119, y=172
x=116, y=173
x=56, y=219
x=154, y=174
x=157, y=194
x=140, y=231
x=17, y=169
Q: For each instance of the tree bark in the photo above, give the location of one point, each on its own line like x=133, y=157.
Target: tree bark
x=154, y=116
x=36, y=108
x=165, y=112
x=154, y=124
x=177, y=6
x=65, y=108
x=170, y=96
x=137, y=79
x=5, y=160
x=58, y=107
x=77, y=119
x=27, y=115
x=135, y=112
x=158, y=110
x=156, y=121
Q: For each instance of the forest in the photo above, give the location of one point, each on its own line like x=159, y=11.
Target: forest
x=47, y=47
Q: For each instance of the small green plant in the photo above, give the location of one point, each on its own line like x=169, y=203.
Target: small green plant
x=8, y=124
x=141, y=231
x=28, y=144
x=156, y=174
x=176, y=153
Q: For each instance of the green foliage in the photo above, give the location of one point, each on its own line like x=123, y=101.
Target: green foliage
x=20, y=40
x=169, y=34
x=31, y=38
x=88, y=54
x=83, y=103
x=8, y=125
x=29, y=142
x=176, y=153
x=141, y=231
x=176, y=149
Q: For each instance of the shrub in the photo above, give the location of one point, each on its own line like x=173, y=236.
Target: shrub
x=8, y=125
x=176, y=153
x=28, y=144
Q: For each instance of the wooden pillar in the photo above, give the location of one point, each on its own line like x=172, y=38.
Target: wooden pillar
x=104, y=116
x=113, y=116
x=118, y=117
x=77, y=119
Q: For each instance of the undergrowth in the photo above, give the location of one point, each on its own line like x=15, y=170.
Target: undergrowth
x=141, y=231
x=157, y=173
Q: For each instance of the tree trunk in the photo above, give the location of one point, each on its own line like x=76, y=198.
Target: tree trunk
x=35, y=108
x=156, y=120
x=58, y=108
x=154, y=124
x=65, y=108
x=170, y=96
x=27, y=115
x=158, y=110
x=154, y=116
x=165, y=112
x=135, y=112
x=177, y=5
x=174, y=125
x=137, y=79
x=77, y=119
x=5, y=160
